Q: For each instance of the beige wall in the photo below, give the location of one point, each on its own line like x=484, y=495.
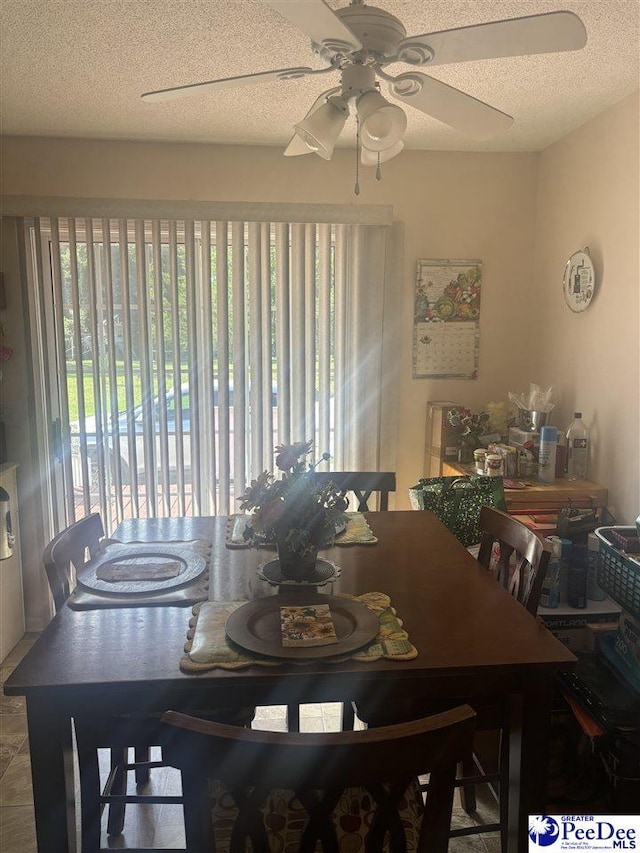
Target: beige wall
x=453, y=205
x=588, y=195
x=522, y=214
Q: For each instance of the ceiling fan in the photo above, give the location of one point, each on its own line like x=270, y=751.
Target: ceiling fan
x=360, y=41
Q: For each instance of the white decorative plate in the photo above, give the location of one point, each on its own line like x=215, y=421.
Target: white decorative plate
x=579, y=281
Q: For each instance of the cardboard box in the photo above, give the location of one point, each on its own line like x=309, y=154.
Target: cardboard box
x=442, y=440
x=575, y=639
x=630, y=634
x=522, y=438
x=596, y=631
x=441, y=443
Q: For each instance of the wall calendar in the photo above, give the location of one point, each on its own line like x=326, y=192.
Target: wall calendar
x=446, y=319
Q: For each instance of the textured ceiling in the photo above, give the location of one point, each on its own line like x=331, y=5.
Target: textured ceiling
x=77, y=68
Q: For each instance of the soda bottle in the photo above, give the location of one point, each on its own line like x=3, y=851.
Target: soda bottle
x=577, y=448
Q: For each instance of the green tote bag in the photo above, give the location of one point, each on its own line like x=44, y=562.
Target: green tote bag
x=456, y=501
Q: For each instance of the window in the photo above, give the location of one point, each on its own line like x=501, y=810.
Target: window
x=185, y=350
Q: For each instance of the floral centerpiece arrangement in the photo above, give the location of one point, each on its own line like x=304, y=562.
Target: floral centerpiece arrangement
x=293, y=510
x=467, y=426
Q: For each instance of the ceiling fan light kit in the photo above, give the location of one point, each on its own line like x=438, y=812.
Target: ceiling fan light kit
x=376, y=158
x=359, y=41
x=320, y=130
x=382, y=125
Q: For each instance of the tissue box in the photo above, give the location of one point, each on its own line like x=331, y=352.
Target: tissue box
x=521, y=438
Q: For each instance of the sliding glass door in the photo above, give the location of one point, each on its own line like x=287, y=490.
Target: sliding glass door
x=185, y=350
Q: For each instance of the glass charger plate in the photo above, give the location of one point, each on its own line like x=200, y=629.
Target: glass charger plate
x=325, y=572
x=255, y=626
x=191, y=566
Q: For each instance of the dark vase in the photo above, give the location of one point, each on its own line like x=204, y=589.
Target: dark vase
x=465, y=454
x=296, y=565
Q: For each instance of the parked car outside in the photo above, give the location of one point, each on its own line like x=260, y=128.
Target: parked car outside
x=121, y=428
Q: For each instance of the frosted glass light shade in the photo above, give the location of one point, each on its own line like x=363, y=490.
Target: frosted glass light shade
x=382, y=125
x=370, y=158
x=296, y=147
x=321, y=129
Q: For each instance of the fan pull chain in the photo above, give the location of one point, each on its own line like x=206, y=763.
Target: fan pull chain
x=378, y=170
x=356, y=189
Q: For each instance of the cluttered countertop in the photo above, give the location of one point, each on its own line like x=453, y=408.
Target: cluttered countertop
x=544, y=469
x=591, y=593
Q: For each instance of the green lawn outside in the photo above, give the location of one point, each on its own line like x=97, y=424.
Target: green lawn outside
x=89, y=389
x=88, y=386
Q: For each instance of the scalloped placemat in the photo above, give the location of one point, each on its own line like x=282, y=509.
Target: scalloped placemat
x=215, y=650
x=357, y=532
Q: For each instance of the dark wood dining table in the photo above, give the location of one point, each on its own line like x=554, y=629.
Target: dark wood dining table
x=472, y=638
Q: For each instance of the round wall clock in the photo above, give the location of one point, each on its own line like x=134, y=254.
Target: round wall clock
x=579, y=281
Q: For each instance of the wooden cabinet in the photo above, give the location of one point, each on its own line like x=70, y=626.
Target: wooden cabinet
x=441, y=444
x=11, y=596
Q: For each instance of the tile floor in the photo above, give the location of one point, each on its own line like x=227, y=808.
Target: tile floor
x=152, y=825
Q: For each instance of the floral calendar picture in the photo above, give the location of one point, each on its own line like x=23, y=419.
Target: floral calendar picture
x=446, y=319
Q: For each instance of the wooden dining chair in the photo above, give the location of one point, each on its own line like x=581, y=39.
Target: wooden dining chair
x=67, y=552
x=363, y=485
x=318, y=792
x=522, y=557
x=63, y=557
x=518, y=558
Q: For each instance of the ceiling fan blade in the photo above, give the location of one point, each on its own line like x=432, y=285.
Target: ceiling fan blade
x=318, y=21
x=451, y=106
x=548, y=33
x=225, y=83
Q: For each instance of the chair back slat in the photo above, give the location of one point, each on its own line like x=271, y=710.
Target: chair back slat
x=523, y=577
x=68, y=552
x=259, y=768
x=363, y=484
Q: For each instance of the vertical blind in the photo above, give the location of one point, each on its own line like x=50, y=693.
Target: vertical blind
x=185, y=350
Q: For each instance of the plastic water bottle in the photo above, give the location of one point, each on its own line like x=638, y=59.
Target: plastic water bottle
x=547, y=455
x=577, y=448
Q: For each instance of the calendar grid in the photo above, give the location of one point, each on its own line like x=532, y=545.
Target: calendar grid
x=446, y=333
